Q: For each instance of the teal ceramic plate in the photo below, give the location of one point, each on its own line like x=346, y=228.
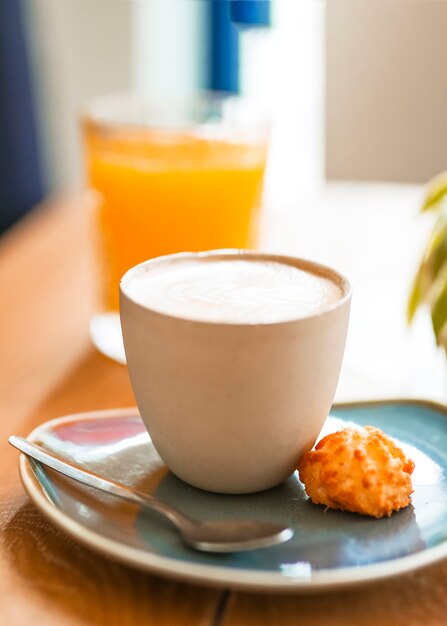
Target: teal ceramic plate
x=330, y=549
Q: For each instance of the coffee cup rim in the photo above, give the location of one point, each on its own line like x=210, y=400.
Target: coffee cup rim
x=227, y=253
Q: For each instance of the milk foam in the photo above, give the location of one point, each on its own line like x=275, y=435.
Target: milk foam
x=232, y=290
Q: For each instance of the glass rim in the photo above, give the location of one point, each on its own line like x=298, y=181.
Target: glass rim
x=137, y=109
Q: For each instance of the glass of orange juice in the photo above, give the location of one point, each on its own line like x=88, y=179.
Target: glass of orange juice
x=168, y=175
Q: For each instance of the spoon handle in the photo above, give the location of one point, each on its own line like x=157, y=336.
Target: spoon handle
x=91, y=479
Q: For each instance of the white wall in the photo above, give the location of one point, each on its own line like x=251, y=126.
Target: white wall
x=84, y=48
x=284, y=68
x=386, y=104
x=80, y=49
x=169, y=45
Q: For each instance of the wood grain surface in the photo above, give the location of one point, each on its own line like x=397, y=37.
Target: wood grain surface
x=47, y=369
x=417, y=599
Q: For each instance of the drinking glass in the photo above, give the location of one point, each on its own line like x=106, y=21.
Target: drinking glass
x=168, y=175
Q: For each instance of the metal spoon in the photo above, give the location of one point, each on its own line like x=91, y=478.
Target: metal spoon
x=210, y=536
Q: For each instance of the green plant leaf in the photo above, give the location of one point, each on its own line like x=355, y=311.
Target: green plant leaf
x=432, y=266
x=436, y=192
x=415, y=300
x=439, y=314
x=436, y=252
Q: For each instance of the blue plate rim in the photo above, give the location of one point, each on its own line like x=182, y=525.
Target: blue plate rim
x=212, y=575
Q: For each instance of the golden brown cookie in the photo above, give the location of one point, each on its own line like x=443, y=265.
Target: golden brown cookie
x=359, y=470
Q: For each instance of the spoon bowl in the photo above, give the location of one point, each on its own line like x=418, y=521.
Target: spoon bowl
x=209, y=536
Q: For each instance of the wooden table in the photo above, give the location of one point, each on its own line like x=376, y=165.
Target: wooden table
x=48, y=368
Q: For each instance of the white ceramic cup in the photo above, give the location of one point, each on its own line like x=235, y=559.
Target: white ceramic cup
x=231, y=408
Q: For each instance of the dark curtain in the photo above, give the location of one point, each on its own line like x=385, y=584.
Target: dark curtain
x=21, y=180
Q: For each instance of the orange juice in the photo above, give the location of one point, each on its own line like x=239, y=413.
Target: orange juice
x=160, y=192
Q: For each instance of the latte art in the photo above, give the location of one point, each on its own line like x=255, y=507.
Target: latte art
x=238, y=291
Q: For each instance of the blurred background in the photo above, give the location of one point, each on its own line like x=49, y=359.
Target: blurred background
x=357, y=89
x=358, y=101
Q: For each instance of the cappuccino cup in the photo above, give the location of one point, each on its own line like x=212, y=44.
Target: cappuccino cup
x=234, y=358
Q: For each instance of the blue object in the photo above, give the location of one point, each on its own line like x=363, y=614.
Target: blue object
x=21, y=180
x=224, y=48
x=251, y=13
